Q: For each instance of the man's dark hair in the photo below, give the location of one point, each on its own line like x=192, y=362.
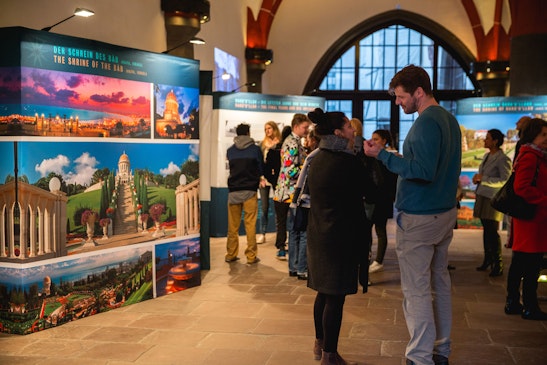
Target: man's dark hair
x=243, y=129
x=410, y=78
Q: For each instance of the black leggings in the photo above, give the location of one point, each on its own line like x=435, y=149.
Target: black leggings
x=327, y=316
x=525, y=266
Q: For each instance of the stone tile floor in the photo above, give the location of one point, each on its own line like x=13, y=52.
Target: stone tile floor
x=258, y=315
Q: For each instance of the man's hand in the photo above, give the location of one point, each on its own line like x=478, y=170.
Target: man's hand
x=371, y=148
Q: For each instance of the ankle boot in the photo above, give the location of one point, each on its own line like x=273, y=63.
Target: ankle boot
x=485, y=265
x=334, y=358
x=513, y=306
x=317, y=349
x=497, y=269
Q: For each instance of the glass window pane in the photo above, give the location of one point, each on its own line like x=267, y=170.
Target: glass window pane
x=415, y=38
x=402, y=36
x=450, y=74
x=342, y=74
x=402, y=57
x=428, y=53
x=378, y=79
x=365, y=79
x=344, y=106
x=378, y=38
x=348, y=58
x=414, y=55
x=390, y=36
x=389, y=56
x=376, y=115
x=365, y=56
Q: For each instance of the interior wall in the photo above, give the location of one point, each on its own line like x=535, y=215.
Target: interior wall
x=300, y=34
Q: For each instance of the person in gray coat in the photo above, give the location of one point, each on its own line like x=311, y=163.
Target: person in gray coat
x=494, y=171
x=337, y=183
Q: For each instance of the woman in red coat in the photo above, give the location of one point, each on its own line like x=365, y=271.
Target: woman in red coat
x=529, y=243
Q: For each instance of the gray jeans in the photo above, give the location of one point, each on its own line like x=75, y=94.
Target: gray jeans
x=422, y=250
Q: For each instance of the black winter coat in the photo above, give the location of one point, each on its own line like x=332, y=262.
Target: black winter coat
x=335, y=242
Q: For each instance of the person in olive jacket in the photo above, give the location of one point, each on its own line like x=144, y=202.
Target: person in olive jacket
x=337, y=183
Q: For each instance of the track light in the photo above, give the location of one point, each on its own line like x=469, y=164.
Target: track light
x=241, y=86
x=225, y=76
x=78, y=12
x=194, y=40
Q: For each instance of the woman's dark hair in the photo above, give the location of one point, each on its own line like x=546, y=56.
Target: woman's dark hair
x=326, y=123
x=497, y=136
x=532, y=129
x=384, y=134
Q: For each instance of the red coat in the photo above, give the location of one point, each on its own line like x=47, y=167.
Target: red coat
x=531, y=236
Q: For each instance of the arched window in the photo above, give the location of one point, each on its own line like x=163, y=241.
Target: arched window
x=353, y=76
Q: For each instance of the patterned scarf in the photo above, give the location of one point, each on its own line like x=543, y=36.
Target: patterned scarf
x=334, y=143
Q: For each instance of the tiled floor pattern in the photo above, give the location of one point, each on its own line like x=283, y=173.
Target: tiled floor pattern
x=258, y=315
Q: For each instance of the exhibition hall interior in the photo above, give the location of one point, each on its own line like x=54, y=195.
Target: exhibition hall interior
x=115, y=121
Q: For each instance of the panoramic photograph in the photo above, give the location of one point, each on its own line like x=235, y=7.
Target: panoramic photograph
x=63, y=104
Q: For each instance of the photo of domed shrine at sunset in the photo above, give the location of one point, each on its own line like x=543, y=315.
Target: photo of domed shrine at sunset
x=64, y=104
x=176, y=112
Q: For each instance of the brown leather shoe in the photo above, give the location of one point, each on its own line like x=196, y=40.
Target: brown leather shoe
x=334, y=358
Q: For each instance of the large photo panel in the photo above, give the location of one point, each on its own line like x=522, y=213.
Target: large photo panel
x=478, y=115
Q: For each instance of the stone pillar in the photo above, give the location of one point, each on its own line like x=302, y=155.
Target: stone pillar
x=257, y=60
x=183, y=19
x=528, y=65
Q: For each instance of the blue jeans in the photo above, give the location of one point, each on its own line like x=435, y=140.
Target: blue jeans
x=422, y=250
x=298, y=258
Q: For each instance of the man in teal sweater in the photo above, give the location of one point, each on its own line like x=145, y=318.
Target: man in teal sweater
x=428, y=172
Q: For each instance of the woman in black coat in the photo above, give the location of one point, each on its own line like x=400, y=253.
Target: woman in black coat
x=337, y=184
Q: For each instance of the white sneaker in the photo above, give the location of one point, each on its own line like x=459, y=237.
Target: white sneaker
x=261, y=238
x=375, y=267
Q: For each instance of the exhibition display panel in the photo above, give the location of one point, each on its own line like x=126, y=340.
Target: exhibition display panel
x=99, y=180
